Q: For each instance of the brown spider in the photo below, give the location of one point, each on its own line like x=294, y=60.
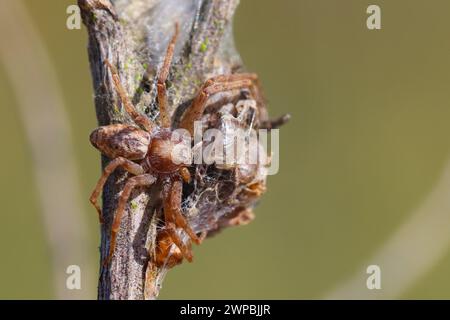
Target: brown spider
x=146, y=153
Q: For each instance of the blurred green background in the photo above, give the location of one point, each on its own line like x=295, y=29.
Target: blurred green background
x=368, y=142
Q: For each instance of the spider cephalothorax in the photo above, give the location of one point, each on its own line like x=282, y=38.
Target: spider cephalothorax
x=144, y=151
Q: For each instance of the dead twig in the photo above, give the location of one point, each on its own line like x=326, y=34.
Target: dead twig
x=133, y=36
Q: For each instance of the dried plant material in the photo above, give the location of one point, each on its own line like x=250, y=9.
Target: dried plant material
x=144, y=95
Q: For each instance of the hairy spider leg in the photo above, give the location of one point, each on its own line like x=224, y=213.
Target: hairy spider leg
x=163, y=249
x=128, y=165
x=186, y=250
x=138, y=118
x=185, y=174
x=137, y=181
x=163, y=74
x=175, y=214
x=174, y=218
x=212, y=86
x=276, y=123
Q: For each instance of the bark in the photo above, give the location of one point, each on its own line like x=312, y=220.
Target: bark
x=133, y=36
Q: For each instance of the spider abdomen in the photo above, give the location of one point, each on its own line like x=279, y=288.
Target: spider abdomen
x=119, y=140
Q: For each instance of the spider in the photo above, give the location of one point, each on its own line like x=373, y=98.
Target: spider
x=144, y=151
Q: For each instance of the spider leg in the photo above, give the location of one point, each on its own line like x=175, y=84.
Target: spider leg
x=173, y=217
x=138, y=181
x=172, y=211
x=185, y=174
x=162, y=89
x=128, y=165
x=185, y=249
x=276, y=123
x=131, y=110
x=163, y=249
x=215, y=85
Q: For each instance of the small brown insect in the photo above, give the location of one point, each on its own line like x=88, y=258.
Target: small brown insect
x=145, y=152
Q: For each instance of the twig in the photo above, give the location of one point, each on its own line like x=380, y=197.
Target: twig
x=133, y=35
